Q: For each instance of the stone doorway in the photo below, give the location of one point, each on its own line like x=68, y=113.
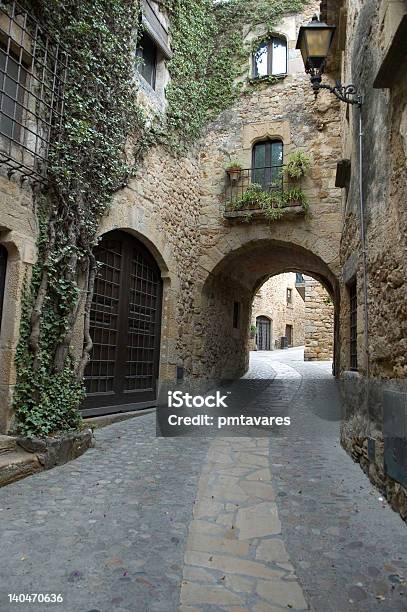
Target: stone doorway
x=263, y=334
x=122, y=373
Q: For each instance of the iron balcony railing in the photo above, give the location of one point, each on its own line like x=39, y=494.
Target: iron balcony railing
x=240, y=184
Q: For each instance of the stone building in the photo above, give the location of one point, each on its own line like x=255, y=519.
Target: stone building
x=318, y=322
x=371, y=53
x=298, y=308
x=185, y=245
x=278, y=311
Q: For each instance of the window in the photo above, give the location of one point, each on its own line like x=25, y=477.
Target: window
x=147, y=52
x=13, y=77
x=270, y=58
x=353, y=329
x=267, y=161
x=289, y=296
x=33, y=69
x=236, y=315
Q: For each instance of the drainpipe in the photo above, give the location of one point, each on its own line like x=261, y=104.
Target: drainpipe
x=364, y=255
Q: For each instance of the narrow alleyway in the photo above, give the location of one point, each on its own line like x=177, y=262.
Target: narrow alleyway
x=243, y=524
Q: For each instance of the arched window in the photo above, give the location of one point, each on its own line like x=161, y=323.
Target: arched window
x=267, y=161
x=270, y=57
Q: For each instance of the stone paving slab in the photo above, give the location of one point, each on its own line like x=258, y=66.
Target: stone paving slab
x=106, y=530
x=245, y=566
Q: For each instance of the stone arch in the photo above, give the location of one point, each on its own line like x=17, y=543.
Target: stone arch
x=21, y=255
x=244, y=264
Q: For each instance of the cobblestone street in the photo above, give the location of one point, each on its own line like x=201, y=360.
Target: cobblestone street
x=140, y=523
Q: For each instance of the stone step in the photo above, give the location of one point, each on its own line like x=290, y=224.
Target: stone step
x=15, y=465
x=7, y=444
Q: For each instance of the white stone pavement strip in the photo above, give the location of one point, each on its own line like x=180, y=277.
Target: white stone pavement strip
x=235, y=558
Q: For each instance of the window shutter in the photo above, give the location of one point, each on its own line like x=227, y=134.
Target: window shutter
x=155, y=29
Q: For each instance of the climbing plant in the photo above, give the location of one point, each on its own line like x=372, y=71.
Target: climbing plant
x=84, y=169
x=105, y=134
x=210, y=56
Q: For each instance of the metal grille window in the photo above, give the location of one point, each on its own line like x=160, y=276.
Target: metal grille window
x=270, y=58
x=353, y=309
x=32, y=77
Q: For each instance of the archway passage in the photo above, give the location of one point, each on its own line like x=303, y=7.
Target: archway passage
x=235, y=278
x=3, y=269
x=263, y=333
x=125, y=327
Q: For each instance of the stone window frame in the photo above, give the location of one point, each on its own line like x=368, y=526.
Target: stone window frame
x=289, y=296
x=269, y=40
x=153, y=28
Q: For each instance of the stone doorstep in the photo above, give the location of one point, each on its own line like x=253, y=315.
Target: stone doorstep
x=16, y=465
x=21, y=457
x=7, y=444
x=108, y=419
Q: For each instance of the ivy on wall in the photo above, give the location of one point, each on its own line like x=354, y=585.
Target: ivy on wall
x=210, y=55
x=85, y=169
x=91, y=162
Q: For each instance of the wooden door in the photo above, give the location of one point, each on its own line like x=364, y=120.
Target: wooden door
x=263, y=334
x=125, y=327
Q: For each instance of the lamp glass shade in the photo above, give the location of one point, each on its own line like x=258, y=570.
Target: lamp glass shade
x=314, y=41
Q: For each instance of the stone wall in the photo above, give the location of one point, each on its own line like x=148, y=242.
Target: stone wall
x=271, y=301
x=319, y=322
x=372, y=31
x=175, y=205
x=249, y=253
x=18, y=232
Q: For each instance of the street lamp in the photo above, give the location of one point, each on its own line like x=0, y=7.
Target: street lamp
x=314, y=42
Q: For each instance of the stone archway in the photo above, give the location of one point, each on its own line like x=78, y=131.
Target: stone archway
x=222, y=348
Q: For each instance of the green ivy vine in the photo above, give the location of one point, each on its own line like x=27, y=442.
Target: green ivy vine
x=92, y=161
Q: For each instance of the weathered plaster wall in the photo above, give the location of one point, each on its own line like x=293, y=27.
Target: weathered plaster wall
x=319, y=322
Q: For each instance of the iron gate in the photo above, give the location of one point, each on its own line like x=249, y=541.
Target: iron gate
x=3, y=267
x=125, y=327
x=263, y=333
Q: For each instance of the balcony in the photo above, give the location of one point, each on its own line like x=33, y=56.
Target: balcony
x=263, y=193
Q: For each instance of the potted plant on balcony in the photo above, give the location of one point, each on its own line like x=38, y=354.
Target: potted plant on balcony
x=234, y=170
x=297, y=165
x=295, y=197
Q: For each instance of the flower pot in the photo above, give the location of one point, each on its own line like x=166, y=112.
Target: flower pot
x=234, y=174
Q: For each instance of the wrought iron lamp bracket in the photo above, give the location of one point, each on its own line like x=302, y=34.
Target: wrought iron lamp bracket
x=345, y=93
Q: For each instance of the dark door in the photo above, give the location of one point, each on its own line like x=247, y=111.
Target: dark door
x=3, y=268
x=125, y=327
x=263, y=333
x=267, y=165
x=289, y=334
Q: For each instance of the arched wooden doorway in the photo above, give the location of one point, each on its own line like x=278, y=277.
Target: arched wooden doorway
x=3, y=269
x=122, y=372
x=263, y=333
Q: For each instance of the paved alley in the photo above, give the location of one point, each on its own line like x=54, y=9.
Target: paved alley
x=141, y=523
